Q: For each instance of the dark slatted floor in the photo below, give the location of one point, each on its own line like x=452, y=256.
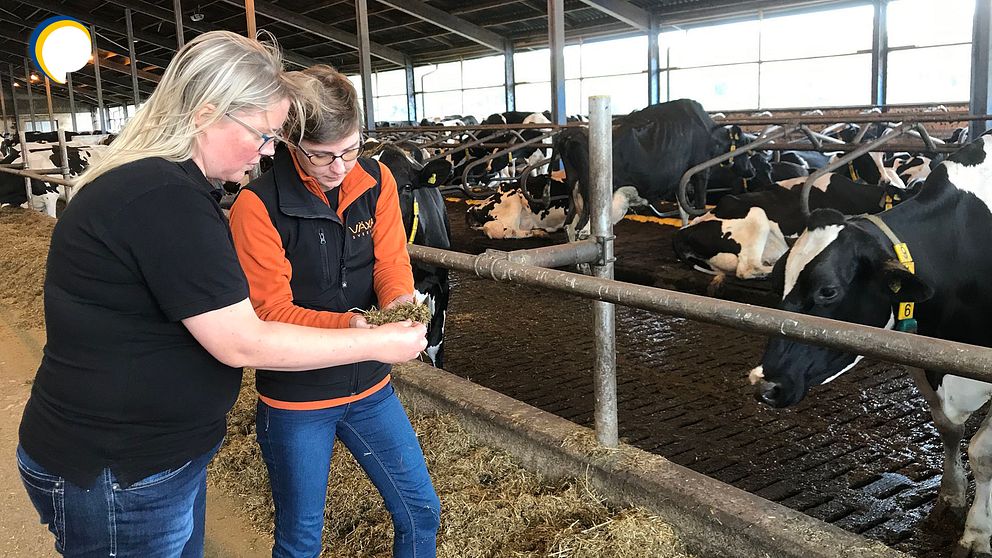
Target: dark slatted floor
x=860, y=453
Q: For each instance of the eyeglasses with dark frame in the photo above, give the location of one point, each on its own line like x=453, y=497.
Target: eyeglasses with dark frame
x=324, y=159
x=266, y=138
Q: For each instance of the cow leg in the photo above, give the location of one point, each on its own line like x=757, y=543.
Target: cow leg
x=753, y=236
x=698, y=182
x=974, y=542
x=952, y=500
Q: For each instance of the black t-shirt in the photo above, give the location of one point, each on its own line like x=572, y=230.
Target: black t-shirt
x=123, y=384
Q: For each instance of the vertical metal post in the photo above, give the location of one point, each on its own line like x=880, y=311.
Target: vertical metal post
x=981, y=56
x=411, y=93
x=72, y=102
x=99, y=84
x=510, y=81
x=22, y=136
x=654, y=63
x=27, y=82
x=64, y=164
x=365, y=61
x=13, y=98
x=604, y=313
x=177, y=9
x=556, y=38
x=3, y=107
x=134, y=59
x=880, y=54
x=48, y=98
x=250, y=15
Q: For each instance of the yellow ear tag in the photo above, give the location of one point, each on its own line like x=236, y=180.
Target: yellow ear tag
x=896, y=286
x=432, y=179
x=905, y=311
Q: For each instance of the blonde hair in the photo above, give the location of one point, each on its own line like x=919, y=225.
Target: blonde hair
x=220, y=68
x=337, y=112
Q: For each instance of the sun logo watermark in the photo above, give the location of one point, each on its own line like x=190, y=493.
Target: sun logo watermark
x=60, y=45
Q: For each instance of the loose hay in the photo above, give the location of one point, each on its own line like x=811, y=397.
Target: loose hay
x=26, y=235
x=490, y=508
x=407, y=311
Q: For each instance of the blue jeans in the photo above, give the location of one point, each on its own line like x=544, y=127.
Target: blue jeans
x=158, y=516
x=297, y=446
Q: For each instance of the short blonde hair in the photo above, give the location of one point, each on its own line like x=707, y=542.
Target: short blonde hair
x=219, y=68
x=338, y=112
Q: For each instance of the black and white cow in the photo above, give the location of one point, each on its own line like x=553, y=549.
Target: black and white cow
x=652, y=149
x=425, y=220
x=508, y=214
x=909, y=168
x=745, y=235
x=522, y=157
x=847, y=269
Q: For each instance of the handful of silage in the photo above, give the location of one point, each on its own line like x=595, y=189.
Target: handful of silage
x=406, y=311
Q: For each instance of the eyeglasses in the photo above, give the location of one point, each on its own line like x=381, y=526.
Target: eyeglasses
x=324, y=159
x=267, y=139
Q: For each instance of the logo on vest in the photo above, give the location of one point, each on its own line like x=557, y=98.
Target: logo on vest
x=362, y=228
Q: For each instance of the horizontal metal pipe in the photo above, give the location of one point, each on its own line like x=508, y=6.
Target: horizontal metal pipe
x=423, y=129
x=558, y=255
x=36, y=176
x=961, y=359
x=861, y=118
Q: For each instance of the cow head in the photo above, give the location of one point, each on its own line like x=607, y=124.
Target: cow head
x=835, y=270
x=737, y=138
x=417, y=182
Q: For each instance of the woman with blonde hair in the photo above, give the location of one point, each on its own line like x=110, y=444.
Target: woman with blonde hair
x=148, y=317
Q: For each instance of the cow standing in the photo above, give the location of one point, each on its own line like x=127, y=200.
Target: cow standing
x=652, y=149
x=848, y=269
x=425, y=220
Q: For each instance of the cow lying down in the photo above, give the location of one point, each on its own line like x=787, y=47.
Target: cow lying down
x=745, y=235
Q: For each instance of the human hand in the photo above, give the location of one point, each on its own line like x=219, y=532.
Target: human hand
x=400, y=341
x=358, y=321
x=399, y=300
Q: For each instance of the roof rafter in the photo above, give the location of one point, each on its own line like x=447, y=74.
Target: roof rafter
x=451, y=23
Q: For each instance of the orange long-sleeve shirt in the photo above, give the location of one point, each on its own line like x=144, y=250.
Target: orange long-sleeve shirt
x=263, y=258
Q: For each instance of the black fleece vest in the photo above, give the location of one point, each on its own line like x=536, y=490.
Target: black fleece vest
x=332, y=265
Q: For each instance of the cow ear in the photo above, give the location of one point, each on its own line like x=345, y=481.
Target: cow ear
x=435, y=173
x=902, y=285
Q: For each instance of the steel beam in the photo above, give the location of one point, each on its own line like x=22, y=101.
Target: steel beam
x=131, y=55
x=654, y=63
x=411, y=93
x=250, y=16
x=321, y=29
x=880, y=53
x=72, y=102
x=13, y=97
x=99, y=84
x=27, y=79
x=365, y=62
x=556, y=38
x=177, y=11
x=624, y=11
x=48, y=99
x=509, y=80
x=451, y=23
x=981, y=56
x=3, y=107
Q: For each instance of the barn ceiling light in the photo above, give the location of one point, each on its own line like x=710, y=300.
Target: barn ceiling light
x=196, y=15
x=34, y=77
x=17, y=84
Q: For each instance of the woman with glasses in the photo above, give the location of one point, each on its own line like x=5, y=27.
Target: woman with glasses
x=319, y=235
x=148, y=318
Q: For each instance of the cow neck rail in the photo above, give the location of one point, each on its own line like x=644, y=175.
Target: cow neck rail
x=849, y=157
x=960, y=359
x=501, y=153
x=860, y=118
x=37, y=176
x=529, y=126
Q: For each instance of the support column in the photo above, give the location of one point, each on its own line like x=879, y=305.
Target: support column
x=250, y=15
x=3, y=108
x=981, y=56
x=880, y=53
x=556, y=39
x=177, y=8
x=48, y=98
x=134, y=58
x=411, y=93
x=510, y=81
x=27, y=81
x=99, y=84
x=13, y=99
x=654, y=63
x=365, y=62
x=604, y=313
x=72, y=102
